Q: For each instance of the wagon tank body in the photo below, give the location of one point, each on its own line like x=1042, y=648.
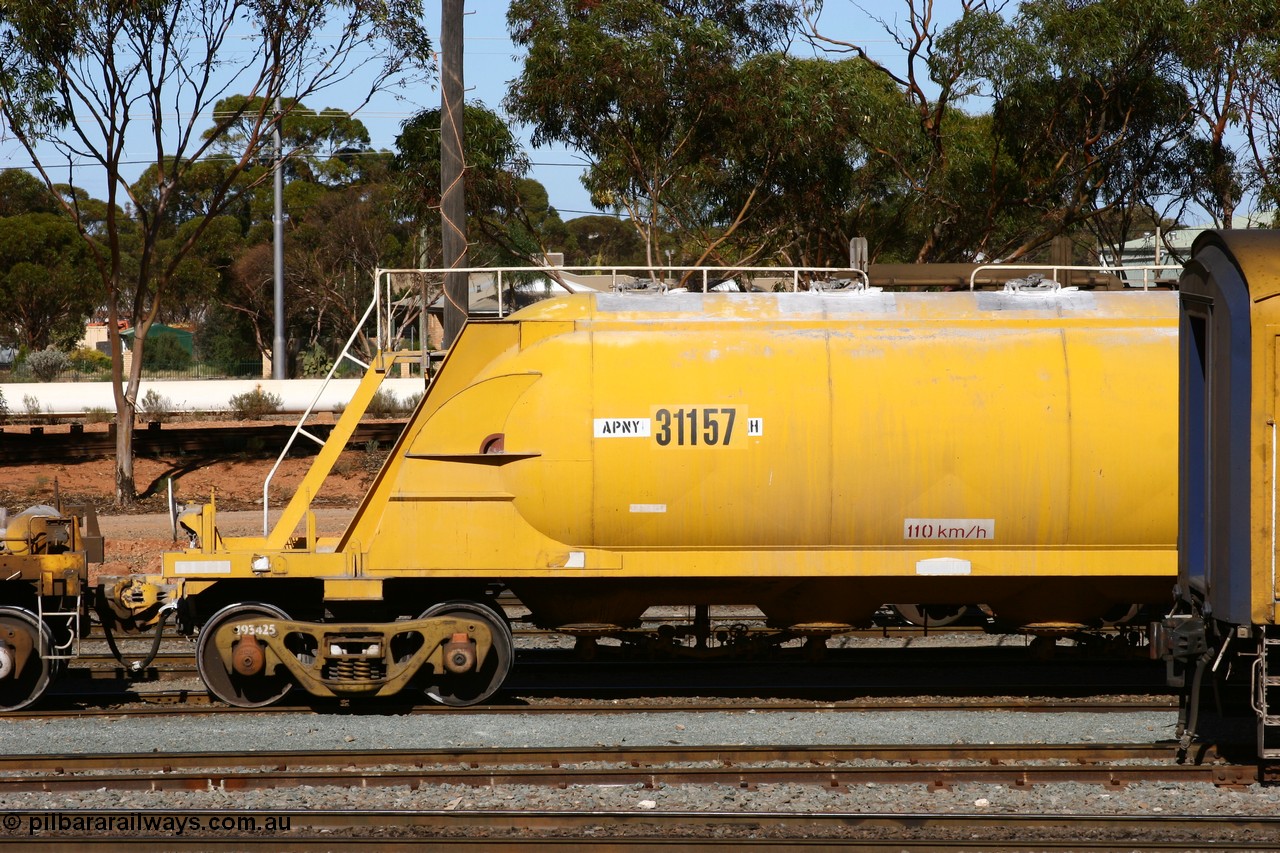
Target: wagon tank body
x=811, y=454
x=1036, y=430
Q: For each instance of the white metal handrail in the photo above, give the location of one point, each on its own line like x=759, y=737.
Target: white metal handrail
x=1118, y=272
x=300, y=429
x=383, y=279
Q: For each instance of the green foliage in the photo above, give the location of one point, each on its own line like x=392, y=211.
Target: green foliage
x=155, y=407
x=98, y=415
x=22, y=193
x=650, y=92
x=48, y=286
x=31, y=407
x=90, y=360
x=165, y=352
x=510, y=219
x=315, y=362
x=603, y=240
x=225, y=340
x=256, y=404
x=47, y=364
x=4, y=408
x=384, y=404
x=701, y=128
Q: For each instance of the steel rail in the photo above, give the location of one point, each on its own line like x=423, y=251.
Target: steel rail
x=633, y=757
x=646, y=776
x=198, y=701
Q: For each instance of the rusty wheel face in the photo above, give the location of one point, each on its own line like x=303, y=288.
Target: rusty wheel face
x=473, y=687
x=244, y=691
x=25, y=670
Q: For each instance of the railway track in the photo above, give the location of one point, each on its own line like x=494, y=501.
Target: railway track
x=938, y=767
x=745, y=767
x=197, y=701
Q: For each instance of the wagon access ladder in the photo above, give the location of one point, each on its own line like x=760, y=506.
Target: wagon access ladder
x=1267, y=691
x=380, y=365
x=330, y=450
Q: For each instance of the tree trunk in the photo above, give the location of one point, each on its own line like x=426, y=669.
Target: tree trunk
x=126, y=489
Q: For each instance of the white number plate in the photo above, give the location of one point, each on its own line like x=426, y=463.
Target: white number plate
x=267, y=630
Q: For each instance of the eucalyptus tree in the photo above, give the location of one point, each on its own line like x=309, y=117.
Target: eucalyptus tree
x=933, y=185
x=342, y=224
x=1259, y=109
x=48, y=288
x=602, y=240
x=1089, y=105
x=507, y=213
x=650, y=93
x=87, y=85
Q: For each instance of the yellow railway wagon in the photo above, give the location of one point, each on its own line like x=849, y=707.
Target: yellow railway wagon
x=812, y=455
x=45, y=597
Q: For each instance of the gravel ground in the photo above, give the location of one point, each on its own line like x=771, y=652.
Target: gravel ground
x=243, y=733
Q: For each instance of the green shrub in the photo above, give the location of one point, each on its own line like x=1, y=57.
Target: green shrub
x=98, y=415
x=256, y=404
x=383, y=404
x=4, y=408
x=165, y=352
x=47, y=363
x=155, y=406
x=315, y=362
x=90, y=360
x=31, y=407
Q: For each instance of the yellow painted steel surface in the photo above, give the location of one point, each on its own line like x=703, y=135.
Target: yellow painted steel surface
x=937, y=437
x=1032, y=433
x=1257, y=255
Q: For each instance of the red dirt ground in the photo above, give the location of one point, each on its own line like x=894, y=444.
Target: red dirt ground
x=236, y=484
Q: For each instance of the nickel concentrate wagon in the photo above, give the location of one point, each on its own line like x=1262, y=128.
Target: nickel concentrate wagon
x=810, y=454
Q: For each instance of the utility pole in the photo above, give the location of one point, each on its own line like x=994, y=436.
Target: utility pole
x=279, y=358
x=453, y=208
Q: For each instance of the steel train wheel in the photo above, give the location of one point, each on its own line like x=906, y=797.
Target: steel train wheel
x=472, y=688
x=37, y=670
x=932, y=615
x=231, y=687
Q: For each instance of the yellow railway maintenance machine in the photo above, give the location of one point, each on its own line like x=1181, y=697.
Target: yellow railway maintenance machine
x=810, y=454
x=1225, y=630
x=44, y=596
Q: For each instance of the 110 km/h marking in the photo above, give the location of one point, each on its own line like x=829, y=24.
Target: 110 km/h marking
x=949, y=528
